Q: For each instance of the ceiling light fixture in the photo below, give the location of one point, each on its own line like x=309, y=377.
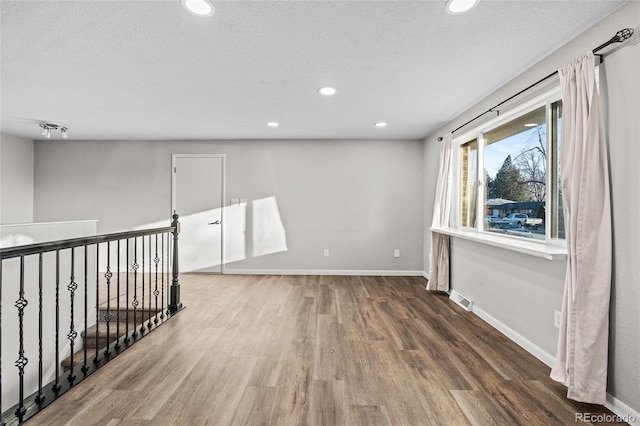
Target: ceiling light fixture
x=381, y=124
x=273, y=124
x=48, y=127
x=199, y=7
x=327, y=91
x=531, y=125
x=457, y=7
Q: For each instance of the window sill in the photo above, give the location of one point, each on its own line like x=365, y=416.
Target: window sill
x=550, y=251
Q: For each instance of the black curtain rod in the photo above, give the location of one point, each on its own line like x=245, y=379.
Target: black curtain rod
x=620, y=36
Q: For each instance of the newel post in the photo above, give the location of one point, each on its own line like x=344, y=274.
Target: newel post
x=174, y=297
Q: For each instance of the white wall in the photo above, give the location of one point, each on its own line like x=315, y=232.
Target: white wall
x=360, y=199
x=521, y=291
x=16, y=179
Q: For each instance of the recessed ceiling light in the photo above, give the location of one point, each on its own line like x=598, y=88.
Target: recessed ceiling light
x=199, y=7
x=456, y=7
x=531, y=125
x=273, y=124
x=327, y=91
x=381, y=124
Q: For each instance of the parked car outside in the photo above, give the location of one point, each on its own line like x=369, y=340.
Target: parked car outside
x=521, y=219
x=491, y=219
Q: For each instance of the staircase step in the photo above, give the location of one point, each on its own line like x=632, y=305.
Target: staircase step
x=100, y=333
x=122, y=314
x=78, y=360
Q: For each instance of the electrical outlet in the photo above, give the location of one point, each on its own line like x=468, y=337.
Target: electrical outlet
x=326, y=252
x=557, y=318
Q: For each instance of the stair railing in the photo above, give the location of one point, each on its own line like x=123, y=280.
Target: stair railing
x=116, y=284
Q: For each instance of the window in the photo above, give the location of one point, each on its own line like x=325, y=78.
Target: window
x=509, y=173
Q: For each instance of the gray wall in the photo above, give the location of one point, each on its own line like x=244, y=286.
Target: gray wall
x=16, y=179
x=360, y=199
x=522, y=291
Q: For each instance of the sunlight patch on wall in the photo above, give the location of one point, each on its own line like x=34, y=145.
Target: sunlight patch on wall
x=235, y=219
x=13, y=240
x=269, y=235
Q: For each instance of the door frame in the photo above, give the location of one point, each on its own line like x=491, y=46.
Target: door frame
x=223, y=157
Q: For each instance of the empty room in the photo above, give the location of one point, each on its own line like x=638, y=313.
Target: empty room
x=319, y=212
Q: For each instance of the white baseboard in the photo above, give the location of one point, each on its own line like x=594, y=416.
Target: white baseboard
x=622, y=410
x=520, y=340
x=365, y=272
x=616, y=406
x=425, y=274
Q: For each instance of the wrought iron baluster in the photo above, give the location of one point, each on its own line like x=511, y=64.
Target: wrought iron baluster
x=107, y=315
x=156, y=260
x=57, y=386
x=149, y=292
x=40, y=396
x=117, y=345
x=72, y=287
x=85, y=367
x=142, y=274
x=169, y=273
x=96, y=358
x=22, y=361
x=135, y=287
x=126, y=322
x=162, y=253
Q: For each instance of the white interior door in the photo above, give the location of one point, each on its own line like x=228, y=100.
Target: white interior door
x=197, y=197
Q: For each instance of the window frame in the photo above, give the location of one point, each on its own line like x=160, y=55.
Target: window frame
x=550, y=247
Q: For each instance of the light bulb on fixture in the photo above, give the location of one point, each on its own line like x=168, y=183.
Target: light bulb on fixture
x=47, y=127
x=327, y=91
x=199, y=7
x=457, y=7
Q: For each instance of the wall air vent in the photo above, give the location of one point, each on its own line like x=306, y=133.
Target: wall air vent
x=461, y=301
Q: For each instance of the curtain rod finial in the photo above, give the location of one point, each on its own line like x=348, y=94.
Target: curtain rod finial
x=439, y=138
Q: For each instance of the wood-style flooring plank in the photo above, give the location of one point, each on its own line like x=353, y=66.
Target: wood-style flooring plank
x=318, y=350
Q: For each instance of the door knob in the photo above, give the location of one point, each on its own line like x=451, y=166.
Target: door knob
x=217, y=222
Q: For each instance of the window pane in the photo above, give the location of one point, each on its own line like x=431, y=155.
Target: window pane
x=556, y=195
x=469, y=179
x=515, y=163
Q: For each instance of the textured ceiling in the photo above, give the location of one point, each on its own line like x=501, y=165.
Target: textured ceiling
x=150, y=70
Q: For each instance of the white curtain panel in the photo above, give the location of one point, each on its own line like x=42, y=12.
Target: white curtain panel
x=581, y=358
x=439, y=256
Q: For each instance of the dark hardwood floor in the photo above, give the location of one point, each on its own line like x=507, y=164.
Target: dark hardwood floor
x=318, y=350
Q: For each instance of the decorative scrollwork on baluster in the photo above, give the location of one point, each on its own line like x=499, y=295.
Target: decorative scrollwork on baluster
x=22, y=360
x=71, y=336
x=156, y=293
x=108, y=316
